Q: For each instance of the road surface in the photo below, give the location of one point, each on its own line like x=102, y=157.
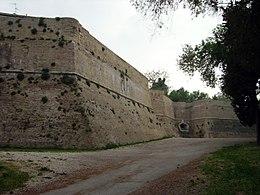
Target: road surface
x=142, y=163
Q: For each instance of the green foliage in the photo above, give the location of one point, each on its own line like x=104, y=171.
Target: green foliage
x=18, y=21
x=34, y=31
x=111, y=145
x=221, y=97
x=10, y=23
x=242, y=69
x=59, y=150
x=206, y=58
x=11, y=177
x=234, y=170
x=61, y=41
x=156, y=9
x=44, y=100
x=234, y=50
x=154, y=75
x=182, y=95
x=68, y=80
x=57, y=18
x=88, y=82
x=45, y=74
x=42, y=23
x=160, y=85
x=20, y=76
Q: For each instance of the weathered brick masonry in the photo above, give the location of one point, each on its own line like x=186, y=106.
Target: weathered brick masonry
x=60, y=87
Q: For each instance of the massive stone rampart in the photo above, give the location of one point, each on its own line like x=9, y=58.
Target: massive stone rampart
x=60, y=87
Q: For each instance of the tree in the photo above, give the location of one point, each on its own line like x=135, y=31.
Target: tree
x=155, y=9
x=220, y=96
x=234, y=49
x=182, y=95
x=160, y=85
x=154, y=75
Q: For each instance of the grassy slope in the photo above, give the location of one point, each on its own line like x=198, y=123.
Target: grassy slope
x=11, y=177
x=234, y=170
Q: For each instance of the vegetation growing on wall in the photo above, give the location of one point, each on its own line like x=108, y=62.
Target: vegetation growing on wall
x=45, y=74
x=34, y=31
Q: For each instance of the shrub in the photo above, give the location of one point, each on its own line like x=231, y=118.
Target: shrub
x=34, y=31
x=68, y=80
x=57, y=18
x=20, y=76
x=88, y=82
x=10, y=22
x=61, y=41
x=45, y=74
x=42, y=23
x=44, y=100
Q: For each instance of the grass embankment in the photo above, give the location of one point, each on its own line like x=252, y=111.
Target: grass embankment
x=234, y=170
x=60, y=150
x=11, y=177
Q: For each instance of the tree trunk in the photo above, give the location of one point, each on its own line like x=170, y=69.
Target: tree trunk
x=257, y=125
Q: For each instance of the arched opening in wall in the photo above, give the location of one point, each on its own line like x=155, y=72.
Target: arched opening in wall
x=184, y=127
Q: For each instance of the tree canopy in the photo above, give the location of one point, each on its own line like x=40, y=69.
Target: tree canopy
x=182, y=95
x=155, y=9
x=160, y=85
x=233, y=49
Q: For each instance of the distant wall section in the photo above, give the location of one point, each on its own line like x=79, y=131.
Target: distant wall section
x=206, y=118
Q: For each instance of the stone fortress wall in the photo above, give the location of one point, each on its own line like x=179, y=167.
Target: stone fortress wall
x=206, y=118
x=60, y=87
x=80, y=53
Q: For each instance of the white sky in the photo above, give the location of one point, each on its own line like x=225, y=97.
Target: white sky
x=125, y=31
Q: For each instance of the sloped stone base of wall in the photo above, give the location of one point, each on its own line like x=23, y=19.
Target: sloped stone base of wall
x=220, y=128
x=70, y=112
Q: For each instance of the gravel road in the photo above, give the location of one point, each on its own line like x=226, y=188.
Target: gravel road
x=130, y=168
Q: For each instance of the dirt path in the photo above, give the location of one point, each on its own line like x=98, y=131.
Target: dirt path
x=143, y=163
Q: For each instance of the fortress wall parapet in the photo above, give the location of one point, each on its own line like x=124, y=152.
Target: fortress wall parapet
x=68, y=47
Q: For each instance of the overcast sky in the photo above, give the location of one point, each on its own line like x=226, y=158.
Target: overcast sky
x=131, y=36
